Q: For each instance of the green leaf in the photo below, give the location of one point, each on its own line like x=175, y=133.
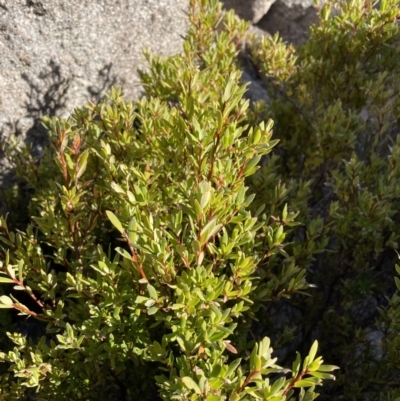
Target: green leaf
x=213, y=397
x=232, y=367
x=82, y=163
x=323, y=375
x=5, y=300
x=253, y=359
x=149, y=303
x=327, y=368
x=6, y=280
x=117, y=188
x=278, y=384
x=20, y=270
x=252, y=163
x=284, y=212
x=397, y=268
x=397, y=280
x=219, y=119
x=313, y=351
x=70, y=331
x=313, y=366
x=10, y=271
x=152, y=291
x=117, y=310
x=177, y=306
x=152, y=310
x=6, y=241
x=240, y=196
x=124, y=253
x=196, y=246
x=114, y=221
x=307, y=382
x=140, y=300
x=228, y=91
x=205, y=198
x=182, y=250
x=210, y=229
x=198, y=209
x=191, y=384
x=296, y=365
x=181, y=343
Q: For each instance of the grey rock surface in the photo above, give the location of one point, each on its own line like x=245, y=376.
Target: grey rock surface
x=56, y=55
x=250, y=10
x=256, y=89
x=291, y=18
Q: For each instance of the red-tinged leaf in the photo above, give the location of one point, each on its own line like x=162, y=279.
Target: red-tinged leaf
x=230, y=347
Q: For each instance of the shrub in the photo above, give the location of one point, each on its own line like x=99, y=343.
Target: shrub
x=335, y=102
x=142, y=255
x=170, y=239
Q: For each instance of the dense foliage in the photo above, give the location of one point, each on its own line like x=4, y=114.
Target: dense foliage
x=172, y=241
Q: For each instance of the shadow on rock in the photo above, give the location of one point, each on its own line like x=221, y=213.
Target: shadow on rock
x=47, y=96
x=106, y=78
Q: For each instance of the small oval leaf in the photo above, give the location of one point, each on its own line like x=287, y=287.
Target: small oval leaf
x=114, y=221
x=5, y=300
x=191, y=384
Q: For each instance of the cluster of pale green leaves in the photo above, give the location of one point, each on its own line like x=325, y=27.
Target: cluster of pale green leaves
x=142, y=258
